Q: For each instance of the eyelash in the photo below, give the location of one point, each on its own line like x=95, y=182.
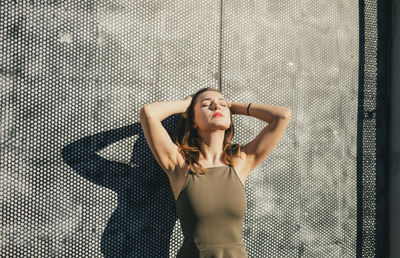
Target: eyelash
x=221, y=105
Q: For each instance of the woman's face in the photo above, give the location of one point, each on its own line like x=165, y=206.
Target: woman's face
x=206, y=105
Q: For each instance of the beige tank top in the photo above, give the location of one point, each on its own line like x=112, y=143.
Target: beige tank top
x=211, y=209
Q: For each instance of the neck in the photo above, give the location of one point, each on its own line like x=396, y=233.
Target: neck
x=213, y=145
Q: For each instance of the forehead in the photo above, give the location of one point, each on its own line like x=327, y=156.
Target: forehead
x=208, y=95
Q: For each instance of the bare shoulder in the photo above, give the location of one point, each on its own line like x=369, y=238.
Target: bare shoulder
x=178, y=176
x=243, y=166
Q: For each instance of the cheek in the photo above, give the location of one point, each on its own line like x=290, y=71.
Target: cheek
x=204, y=113
x=200, y=116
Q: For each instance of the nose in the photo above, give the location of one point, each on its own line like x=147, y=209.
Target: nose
x=216, y=105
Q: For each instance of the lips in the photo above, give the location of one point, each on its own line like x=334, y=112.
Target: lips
x=217, y=114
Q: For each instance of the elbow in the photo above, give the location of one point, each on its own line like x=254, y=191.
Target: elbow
x=287, y=114
x=144, y=111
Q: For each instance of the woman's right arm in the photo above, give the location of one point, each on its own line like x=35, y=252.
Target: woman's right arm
x=161, y=145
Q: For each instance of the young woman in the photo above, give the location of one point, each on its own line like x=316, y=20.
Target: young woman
x=206, y=171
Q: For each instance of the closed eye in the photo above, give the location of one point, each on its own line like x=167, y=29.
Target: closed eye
x=220, y=104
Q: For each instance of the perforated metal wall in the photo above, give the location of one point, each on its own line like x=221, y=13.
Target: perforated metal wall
x=77, y=176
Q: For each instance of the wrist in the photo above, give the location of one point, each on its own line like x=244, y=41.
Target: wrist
x=239, y=108
x=248, y=109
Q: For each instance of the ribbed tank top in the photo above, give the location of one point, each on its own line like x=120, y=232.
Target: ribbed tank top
x=211, y=209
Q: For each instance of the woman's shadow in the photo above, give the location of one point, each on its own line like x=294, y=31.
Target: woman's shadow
x=142, y=223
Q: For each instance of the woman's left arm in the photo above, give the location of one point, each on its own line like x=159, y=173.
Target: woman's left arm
x=278, y=119
x=265, y=112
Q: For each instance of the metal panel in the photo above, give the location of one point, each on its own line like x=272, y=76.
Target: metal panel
x=77, y=176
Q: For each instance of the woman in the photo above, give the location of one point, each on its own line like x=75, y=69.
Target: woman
x=206, y=172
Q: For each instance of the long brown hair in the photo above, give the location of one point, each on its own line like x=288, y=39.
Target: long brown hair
x=190, y=144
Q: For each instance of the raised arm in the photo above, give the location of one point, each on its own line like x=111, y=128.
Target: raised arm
x=278, y=119
x=163, y=148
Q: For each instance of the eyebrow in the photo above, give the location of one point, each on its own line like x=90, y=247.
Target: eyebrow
x=210, y=98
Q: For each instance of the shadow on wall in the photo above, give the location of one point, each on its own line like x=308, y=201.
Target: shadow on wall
x=142, y=223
